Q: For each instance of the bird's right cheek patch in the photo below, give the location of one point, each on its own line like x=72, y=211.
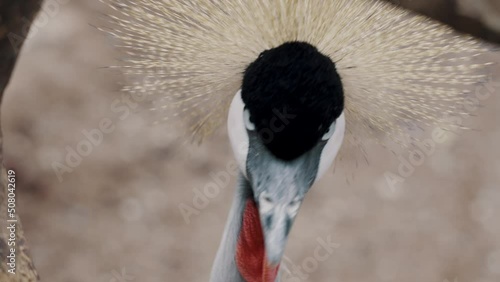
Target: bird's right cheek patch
x=250, y=249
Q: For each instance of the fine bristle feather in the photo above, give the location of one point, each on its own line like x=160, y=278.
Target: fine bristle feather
x=396, y=66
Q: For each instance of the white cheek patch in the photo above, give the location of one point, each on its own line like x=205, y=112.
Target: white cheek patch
x=237, y=131
x=332, y=147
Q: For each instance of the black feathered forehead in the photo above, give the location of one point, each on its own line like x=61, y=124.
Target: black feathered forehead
x=293, y=94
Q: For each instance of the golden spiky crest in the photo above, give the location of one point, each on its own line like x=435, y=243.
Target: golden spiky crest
x=396, y=66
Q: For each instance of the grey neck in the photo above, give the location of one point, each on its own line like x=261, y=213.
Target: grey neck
x=224, y=268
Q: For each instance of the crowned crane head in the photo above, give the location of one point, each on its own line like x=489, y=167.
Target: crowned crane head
x=286, y=126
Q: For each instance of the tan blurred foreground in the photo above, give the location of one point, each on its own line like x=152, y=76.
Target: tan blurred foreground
x=101, y=191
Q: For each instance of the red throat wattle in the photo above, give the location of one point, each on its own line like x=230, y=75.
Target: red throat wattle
x=250, y=250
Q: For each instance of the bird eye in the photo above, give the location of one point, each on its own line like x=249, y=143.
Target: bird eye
x=294, y=206
x=330, y=132
x=265, y=202
x=248, y=124
x=265, y=198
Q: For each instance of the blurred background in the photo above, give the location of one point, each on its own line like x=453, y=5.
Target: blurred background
x=114, y=213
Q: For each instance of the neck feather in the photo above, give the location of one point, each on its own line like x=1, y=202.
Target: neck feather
x=241, y=254
x=225, y=268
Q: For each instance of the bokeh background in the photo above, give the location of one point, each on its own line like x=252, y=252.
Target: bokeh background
x=115, y=217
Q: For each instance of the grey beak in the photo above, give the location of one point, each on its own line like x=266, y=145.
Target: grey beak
x=276, y=235
x=278, y=203
x=279, y=187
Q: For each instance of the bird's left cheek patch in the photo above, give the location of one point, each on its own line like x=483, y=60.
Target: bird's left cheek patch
x=250, y=249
